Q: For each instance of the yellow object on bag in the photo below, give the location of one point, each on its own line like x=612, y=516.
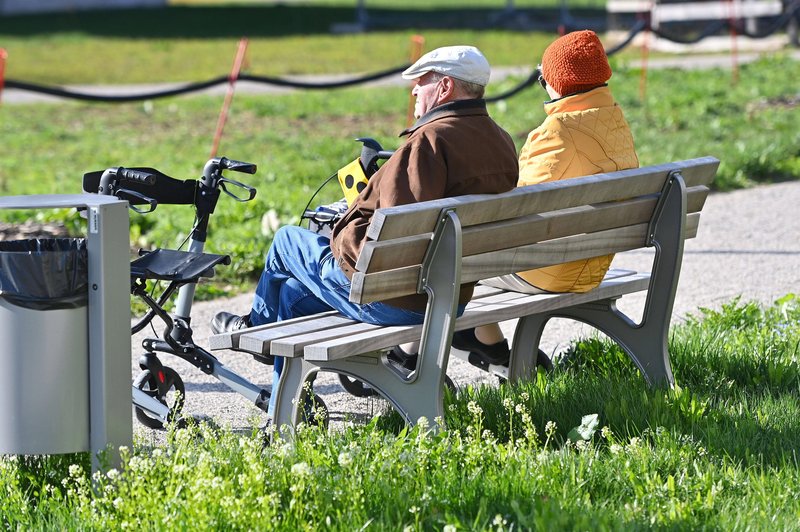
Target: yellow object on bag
x=352, y=180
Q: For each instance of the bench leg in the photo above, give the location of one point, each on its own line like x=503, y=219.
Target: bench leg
x=291, y=392
x=413, y=398
x=527, y=336
x=646, y=343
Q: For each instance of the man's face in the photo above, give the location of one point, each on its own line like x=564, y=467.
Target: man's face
x=426, y=91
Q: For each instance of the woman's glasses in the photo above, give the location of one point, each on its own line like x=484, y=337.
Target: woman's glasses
x=540, y=77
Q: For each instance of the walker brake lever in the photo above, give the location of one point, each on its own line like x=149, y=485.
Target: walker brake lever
x=124, y=193
x=251, y=192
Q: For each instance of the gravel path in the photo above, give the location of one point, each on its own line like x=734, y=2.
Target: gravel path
x=747, y=245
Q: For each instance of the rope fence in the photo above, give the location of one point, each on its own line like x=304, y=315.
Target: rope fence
x=735, y=25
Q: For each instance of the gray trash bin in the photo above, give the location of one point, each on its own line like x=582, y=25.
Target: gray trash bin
x=44, y=353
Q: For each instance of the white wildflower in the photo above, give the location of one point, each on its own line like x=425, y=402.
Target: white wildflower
x=474, y=409
x=301, y=469
x=345, y=459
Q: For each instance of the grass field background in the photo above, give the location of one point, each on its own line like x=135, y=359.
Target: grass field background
x=587, y=447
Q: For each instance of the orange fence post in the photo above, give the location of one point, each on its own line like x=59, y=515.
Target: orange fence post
x=3, y=57
x=223, y=115
x=417, y=42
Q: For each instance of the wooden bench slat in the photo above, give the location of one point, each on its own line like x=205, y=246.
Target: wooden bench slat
x=230, y=340
x=394, y=222
x=270, y=339
x=384, y=255
x=259, y=341
x=292, y=346
x=403, y=281
x=387, y=337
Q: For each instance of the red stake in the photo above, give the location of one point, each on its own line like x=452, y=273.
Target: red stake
x=223, y=115
x=3, y=57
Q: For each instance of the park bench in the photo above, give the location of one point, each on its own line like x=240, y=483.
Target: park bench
x=432, y=247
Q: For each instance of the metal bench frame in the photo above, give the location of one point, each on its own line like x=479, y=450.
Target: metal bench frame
x=420, y=393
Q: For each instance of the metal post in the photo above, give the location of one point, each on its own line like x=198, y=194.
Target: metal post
x=110, y=421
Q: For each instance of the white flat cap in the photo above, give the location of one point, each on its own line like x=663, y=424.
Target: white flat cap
x=466, y=63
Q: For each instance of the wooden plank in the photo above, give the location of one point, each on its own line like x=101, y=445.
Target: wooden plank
x=686, y=11
x=403, y=281
x=387, y=337
x=384, y=285
x=230, y=340
x=292, y=346
x=696, y=10
x=259, y=341
x=379, y=256
x=405, y=220
x=560, y=251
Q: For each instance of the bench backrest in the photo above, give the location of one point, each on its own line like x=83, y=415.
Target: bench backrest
x=528, y=227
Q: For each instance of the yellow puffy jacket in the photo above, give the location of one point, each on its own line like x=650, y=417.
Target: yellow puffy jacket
x=583, y=134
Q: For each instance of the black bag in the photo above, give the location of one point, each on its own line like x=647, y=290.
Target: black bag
x=44, y=273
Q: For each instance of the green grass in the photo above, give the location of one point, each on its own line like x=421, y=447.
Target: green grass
x=193, y=43
x=718, y=453
x=299, y=139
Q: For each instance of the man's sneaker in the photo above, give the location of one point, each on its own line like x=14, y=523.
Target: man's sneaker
x=481, y=354
x=400, y=358
x=226, y=322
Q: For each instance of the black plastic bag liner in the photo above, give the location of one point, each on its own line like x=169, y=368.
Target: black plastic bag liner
x=44, y=273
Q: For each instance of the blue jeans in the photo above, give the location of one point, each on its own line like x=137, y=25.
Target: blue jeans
x=301, y=277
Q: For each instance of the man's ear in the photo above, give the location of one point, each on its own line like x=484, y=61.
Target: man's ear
x=447, y=91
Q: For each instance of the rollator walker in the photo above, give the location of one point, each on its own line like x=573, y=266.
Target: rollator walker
x=158, y=391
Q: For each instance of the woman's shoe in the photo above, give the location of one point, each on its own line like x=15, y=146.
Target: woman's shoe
x=481, y=354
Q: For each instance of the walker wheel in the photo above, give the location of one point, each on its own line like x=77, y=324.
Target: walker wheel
x=174, y=397
x=356, y=387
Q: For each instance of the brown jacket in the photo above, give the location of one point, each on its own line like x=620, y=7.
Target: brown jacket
x=453, y=150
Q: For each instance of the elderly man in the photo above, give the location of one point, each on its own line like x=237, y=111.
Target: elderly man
x=453, y=149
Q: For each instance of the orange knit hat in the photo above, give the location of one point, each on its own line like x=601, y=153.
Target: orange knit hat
x=575, y=62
